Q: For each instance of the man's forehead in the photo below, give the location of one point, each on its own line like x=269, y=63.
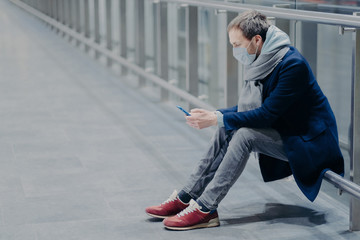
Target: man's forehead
x=236, y=35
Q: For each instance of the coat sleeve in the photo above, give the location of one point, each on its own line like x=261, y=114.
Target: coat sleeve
x=227, y=110
x=291, y=85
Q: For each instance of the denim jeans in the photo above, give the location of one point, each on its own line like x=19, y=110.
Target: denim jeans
x=225, y=160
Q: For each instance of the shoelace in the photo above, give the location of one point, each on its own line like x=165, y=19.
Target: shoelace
x=191, y=208
x=172, y=198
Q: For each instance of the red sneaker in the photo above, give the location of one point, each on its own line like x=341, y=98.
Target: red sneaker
x=191, y=218
x=169, y=208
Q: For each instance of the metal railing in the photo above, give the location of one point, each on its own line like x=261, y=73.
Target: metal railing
x=55, y=14
x=343, y=184
x=289, y=14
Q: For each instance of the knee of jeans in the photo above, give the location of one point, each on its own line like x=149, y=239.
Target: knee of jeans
x=245, y=136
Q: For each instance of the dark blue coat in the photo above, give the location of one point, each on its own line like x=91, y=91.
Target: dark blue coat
x=295, y=106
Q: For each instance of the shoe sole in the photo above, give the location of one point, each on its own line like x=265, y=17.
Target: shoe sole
x=212, y=223
x=158, y=216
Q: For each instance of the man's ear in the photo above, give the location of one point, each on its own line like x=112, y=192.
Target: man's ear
x=258, y=38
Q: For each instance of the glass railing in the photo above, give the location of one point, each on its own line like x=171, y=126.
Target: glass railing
x=328, y=6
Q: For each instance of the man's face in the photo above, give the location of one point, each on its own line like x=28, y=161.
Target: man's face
x=237, y=39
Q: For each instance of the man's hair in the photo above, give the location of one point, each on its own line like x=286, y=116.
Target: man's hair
x=251, y=23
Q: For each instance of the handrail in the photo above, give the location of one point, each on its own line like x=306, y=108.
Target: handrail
x=342, y=183
x=289, y=14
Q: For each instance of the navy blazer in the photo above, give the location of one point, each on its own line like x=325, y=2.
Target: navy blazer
x=295, y=106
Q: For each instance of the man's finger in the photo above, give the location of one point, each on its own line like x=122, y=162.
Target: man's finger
x=191, y=125
x=197, y=110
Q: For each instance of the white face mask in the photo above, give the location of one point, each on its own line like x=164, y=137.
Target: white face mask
x=241, y=54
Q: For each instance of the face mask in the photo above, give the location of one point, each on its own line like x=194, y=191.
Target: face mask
x=241, y=54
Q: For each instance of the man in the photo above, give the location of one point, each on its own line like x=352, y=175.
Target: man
x=282, y=115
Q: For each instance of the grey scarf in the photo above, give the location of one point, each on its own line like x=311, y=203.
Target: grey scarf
x=274, y=49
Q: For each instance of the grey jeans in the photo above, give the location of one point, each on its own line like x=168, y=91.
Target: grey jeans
x=225, y=160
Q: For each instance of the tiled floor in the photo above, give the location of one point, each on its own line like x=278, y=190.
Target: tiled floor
x=82, y=153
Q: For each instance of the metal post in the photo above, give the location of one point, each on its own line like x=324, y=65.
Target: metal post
x=87, y=22
x=56, y=12
x=155, y=13
x=288, y=26
x=140, y=37
x=308, y=43
x=60, y=13
x=77, y=19
x=123, y=31
x=69, y=9
x=283, y=24
x=43, y=6
x=231, y=83
x=49, y=8
x=191, y=28
x=46, y=7
x=70, y=17
x=108, y=30
x=162, y=45
x=51, y=11
x=63, y=14
x=71, y=22
x=355, y=118
x=97, y=25
x=214, y=43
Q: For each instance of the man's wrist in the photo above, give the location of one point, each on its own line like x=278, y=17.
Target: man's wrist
x=214, y=119
x=219, y=118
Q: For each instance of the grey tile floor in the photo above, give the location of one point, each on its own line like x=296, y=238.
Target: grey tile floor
x=82, y=153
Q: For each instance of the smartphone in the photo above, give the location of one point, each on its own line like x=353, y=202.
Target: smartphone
x=186, y=112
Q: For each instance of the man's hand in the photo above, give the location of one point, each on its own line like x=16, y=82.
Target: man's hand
x=201, y=118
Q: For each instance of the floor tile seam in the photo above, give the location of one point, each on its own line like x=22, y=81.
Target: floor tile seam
x=40, y=197
x=21, y=226
x=18, y=177
x=59, y=222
